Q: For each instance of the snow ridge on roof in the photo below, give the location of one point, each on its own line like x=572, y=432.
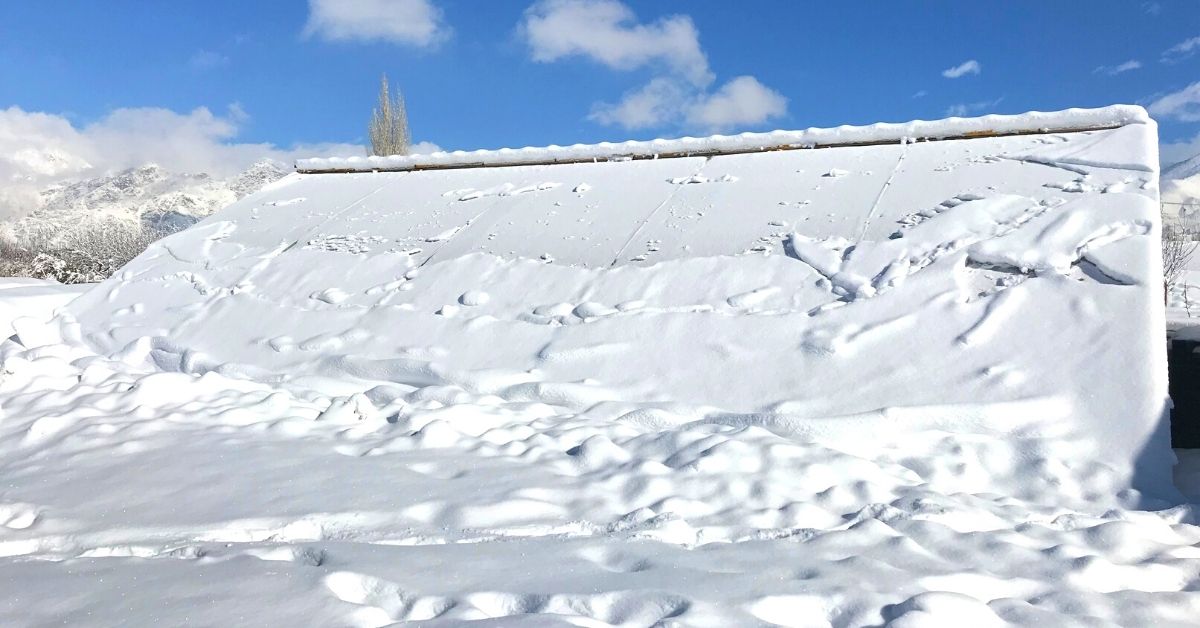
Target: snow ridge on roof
x=1033, y=121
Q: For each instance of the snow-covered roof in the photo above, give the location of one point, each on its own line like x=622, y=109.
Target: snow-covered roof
x=883, y=133
x=1005, y=286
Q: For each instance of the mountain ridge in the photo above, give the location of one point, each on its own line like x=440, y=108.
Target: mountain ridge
x=148, y=194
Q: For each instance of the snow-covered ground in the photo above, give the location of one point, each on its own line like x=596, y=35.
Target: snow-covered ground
x=32, y=298
x=138, y=497
x=913, y=385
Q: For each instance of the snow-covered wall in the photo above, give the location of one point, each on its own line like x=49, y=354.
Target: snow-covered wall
x=993, y=288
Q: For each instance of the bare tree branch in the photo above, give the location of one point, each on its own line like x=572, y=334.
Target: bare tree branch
x=1178, y=246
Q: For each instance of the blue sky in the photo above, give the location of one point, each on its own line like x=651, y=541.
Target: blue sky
x=482, y=74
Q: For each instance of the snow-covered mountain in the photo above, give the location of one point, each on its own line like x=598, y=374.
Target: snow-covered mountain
x=1181, y=188
x=1185, y=169
x=149, y=194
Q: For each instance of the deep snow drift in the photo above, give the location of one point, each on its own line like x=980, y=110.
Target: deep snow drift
x=906, y=383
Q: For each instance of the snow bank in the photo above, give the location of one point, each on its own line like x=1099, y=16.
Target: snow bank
x=917, y=130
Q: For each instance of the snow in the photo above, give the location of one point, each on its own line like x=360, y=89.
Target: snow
x=32, y=298
x=932, y=393
x=1071, y=119
x=1181, y=191
x=150, y=195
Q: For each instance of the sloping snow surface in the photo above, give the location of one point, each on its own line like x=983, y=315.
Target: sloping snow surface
x=37, y=299
x=914, y=384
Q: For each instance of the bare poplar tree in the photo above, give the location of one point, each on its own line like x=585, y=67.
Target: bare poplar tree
x=389, y=124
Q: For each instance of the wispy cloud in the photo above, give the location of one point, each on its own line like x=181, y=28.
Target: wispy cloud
x=1113, y=70
x=664, y=101
x=1181, y=50
x=920, y=94
x=412, y=22
x=959, y=110
x=681, y=92
x=207, y=60
x=966, y=67
x=1152, y=8
x=1183, y=105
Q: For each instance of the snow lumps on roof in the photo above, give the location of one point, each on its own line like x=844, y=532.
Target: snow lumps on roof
x=1000, y=288
x=883, y=133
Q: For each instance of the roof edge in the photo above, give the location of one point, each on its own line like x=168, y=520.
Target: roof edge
x=1033, y=122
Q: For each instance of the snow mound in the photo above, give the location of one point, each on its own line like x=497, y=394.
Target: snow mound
x=724, y=390
x=934, y=311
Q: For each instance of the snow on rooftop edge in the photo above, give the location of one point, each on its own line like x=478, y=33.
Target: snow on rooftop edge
x=1032, y=121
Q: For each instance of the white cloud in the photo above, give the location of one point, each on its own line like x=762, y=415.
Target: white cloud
x=412, y=22
x=741, y=101
x=920, y=94
x=417, y=148
x=654, y=104
x=1152, y=8
x=38, y=149
x=971, y=108
x=962, y=69
x=1181, y=50
x=1182, y=105
x=1113, y=70
x=207, y=60
x=1174, y=152
x=607, y=32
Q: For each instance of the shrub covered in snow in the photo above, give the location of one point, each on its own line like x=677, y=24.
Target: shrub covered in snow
x=88, y=252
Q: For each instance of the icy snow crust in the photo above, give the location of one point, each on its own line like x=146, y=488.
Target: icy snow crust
x=913, y=385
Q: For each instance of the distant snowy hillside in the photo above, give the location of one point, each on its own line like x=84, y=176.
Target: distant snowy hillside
x=149, y=194
x=1181, y=190
x=1185, y=169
